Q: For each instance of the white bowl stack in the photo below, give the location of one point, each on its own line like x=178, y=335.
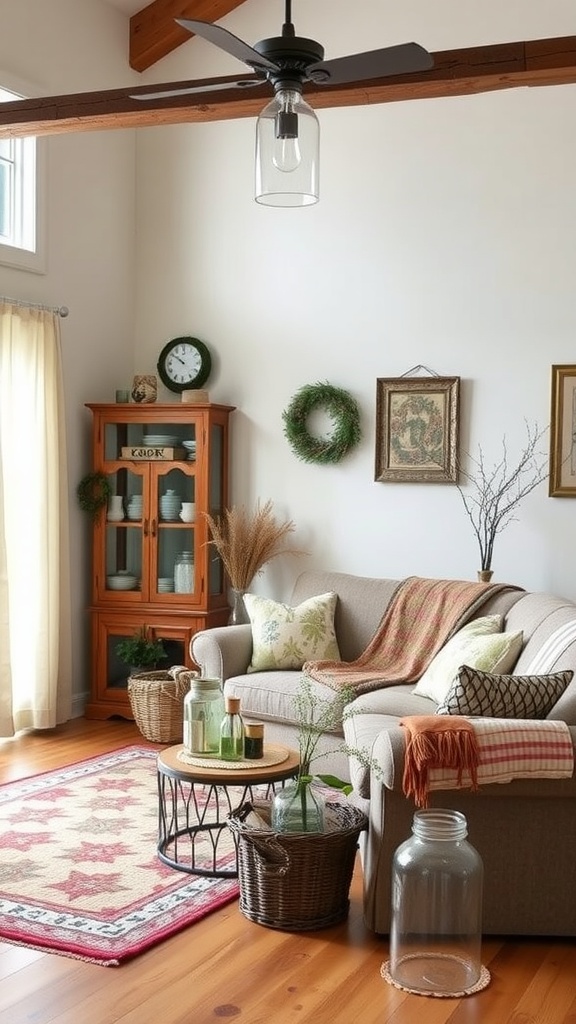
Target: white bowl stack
x=170, y=505
x=165, y=584
x=134, y=507
x=190, y=447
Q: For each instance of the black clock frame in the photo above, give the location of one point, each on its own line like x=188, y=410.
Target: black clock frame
x=205, y=367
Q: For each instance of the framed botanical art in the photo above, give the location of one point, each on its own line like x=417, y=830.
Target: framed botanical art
x=563, y=433
x=417, y=427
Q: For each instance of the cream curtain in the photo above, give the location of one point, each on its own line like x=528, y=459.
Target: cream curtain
x=35, y=647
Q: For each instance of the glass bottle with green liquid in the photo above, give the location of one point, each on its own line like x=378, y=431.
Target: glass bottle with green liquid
x=232, y=731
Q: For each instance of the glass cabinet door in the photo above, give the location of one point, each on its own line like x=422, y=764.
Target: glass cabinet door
x=123, y=540
x=173, y=568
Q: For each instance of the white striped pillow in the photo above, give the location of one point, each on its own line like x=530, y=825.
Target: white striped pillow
x=551, y=650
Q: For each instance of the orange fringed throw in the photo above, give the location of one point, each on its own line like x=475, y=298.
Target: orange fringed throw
x=436, y=741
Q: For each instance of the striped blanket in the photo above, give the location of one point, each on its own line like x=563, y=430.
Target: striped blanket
x=514, y=749
x=422, y=615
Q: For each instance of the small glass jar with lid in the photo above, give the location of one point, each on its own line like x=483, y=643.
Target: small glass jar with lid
x=203, y=713
x=436, y=926
x=253, y=740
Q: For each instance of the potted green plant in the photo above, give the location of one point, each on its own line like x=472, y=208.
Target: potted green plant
x=141, y=651
x=299, y=807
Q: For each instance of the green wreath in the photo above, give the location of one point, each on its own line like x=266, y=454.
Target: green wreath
x=343, y=410
x=93, y=492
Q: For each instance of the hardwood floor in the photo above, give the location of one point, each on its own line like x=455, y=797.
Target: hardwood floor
x=226, y=968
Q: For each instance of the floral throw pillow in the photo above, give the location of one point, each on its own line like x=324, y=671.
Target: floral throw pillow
x=284, y=637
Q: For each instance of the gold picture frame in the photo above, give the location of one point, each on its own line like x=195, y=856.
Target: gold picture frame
x=417, y=429
x=562, y=482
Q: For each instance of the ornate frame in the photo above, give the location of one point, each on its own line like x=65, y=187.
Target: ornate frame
x=562, y=482
x=434, y=458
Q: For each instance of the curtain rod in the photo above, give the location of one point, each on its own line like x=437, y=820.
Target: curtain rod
x=62, y=311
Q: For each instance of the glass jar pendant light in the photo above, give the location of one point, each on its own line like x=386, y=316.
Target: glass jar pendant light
x=287, y=150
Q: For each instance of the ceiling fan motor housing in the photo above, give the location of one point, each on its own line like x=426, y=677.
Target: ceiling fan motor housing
x=293, y=55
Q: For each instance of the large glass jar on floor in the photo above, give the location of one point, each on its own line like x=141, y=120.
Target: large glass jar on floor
x=436, y=927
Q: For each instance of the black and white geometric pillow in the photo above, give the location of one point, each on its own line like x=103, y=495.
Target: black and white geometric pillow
x=482, y=694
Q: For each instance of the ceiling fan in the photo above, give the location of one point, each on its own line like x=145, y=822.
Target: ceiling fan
x=405, y=72
x=287, y=133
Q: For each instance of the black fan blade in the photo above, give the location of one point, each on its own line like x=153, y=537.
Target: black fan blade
x=358, y=67
x=189, y=90
x=228, y=42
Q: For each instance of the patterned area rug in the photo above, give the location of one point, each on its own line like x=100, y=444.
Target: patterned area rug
x=79, y=871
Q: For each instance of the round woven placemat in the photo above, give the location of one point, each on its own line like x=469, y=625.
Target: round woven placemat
x=482, y=982
x=272, y=755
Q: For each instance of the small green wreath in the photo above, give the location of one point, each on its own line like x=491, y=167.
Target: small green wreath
x=93, y=492
x=340, y=406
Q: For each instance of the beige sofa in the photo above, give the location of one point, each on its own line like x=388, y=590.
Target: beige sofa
x=524, y=830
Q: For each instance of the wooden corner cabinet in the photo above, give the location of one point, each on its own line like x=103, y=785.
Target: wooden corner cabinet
x=152, y=564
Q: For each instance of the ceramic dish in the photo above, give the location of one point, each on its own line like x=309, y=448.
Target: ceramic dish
x=159, y=441
x=121, y=582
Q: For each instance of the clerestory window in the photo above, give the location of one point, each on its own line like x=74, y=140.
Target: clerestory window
x=20, y=242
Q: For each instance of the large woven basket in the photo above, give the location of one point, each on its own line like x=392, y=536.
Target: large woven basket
x=157, y=702
x=297, y=881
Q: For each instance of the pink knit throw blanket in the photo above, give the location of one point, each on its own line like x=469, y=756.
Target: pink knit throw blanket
x=422, y=615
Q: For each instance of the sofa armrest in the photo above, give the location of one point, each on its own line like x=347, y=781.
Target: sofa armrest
x=389, y=749
x=388, y=752
x=223, y=651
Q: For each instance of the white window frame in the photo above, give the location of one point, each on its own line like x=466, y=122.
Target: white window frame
x=28, y=251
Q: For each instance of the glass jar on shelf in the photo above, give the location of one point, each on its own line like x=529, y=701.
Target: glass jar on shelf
x=184, y=573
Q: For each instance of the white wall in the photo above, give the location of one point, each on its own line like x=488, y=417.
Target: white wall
x=63, y=47
x=445, y=236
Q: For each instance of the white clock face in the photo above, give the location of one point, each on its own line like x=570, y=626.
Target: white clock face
x=183, y=363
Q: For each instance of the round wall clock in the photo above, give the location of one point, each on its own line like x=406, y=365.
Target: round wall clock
x=184, y=363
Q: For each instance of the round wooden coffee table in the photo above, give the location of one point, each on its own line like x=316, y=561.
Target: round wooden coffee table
x=194, y=802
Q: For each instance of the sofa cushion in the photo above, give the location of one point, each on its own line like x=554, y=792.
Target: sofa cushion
x=284, y=637
x=481, y=694
x=480, y=644
x=271, y=696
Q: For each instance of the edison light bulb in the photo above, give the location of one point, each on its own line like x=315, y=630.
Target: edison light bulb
x=286, y=155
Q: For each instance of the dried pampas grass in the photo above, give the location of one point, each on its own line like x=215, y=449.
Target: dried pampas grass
x=246, y=541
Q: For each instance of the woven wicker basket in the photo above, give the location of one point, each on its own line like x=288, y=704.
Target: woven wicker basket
x=296, y=881
x=157, y=702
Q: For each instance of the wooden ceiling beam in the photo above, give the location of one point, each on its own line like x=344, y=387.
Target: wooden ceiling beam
x=154, y=32
x=455, y=73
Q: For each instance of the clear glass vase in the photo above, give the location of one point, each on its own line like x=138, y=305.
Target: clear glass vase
x=298, y=807
x=238, y=614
